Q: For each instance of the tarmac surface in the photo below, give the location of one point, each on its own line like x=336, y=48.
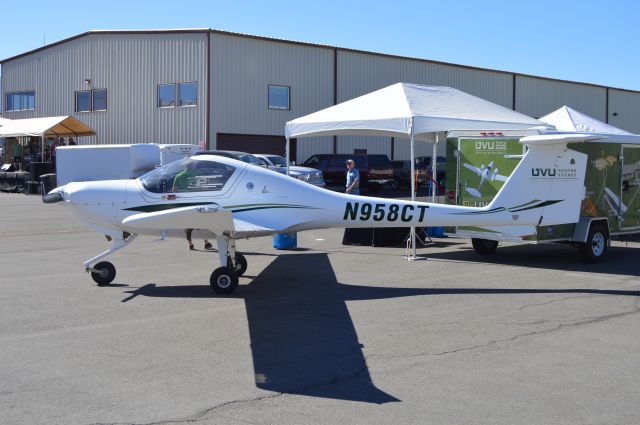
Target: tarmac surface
x=324, y=334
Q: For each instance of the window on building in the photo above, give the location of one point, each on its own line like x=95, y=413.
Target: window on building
x=20, y=101
x=188, y=94
x=279, y=97
x=83, y=101
x=91, y=100
x=99, y=100
x=166, y=95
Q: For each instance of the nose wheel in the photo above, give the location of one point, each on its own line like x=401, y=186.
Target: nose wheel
x=103, y=273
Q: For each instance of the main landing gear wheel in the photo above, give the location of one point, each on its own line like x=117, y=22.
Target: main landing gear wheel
x=484, y=246
x=241, y=264
x=224, y=280
x=105, y=273
x=596, y=246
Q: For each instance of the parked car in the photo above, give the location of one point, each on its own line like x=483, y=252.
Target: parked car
x=279, y=163
x=402, y=175
x=240, y=156
x=304, y=174
x=375, y=170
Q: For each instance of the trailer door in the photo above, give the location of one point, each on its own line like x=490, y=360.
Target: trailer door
x=630, y=176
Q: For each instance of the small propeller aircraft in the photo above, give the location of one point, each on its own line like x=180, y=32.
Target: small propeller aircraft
x=485, y=173
x=229, y=200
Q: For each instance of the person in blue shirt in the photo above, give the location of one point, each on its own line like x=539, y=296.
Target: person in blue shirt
x=353, y=178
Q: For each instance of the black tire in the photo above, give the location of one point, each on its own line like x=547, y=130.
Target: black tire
x=395, y=184
x=625, y=186
x=241, y=264
x=595, y=248
x=484, y=246
x=374, y=187
x=106, y=274
x=223, y=280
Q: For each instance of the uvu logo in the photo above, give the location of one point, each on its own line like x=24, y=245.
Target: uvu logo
x=483, y=145
x=543, y=172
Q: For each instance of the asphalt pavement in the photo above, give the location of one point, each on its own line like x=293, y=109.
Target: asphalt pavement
x=323, y=334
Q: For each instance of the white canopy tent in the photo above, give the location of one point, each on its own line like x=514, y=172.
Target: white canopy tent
x=65, y=126
x=568, y=119
x=408, y=111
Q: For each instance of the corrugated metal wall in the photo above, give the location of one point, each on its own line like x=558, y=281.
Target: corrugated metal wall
x=624, y=110
x=129, y=66
x=360, y=73
x=241, y=70
x=537, y=97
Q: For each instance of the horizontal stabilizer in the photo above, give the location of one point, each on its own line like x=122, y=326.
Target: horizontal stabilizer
x=211, y=217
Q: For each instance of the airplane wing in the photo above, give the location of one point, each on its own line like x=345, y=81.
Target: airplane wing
x=501, y=178
x=472, y=168
x=244, y=229
x=211, y=217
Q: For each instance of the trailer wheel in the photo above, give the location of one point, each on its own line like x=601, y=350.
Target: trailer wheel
x=484, y=246
x=597, y=243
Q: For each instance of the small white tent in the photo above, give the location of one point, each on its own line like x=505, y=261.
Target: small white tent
x=568, y=119
x=408, y=111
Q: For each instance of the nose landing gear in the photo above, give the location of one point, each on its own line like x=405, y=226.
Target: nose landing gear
x=104, y=272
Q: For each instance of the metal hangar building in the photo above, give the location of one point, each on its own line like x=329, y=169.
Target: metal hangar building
x=236, y=91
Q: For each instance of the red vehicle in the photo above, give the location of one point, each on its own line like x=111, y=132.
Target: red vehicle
x=375, y=170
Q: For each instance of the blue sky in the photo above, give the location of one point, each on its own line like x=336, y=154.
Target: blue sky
x=590, y=41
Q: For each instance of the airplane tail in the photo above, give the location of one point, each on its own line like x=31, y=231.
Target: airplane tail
x=547, y=186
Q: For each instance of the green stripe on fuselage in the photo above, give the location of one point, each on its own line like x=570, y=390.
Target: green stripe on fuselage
x=163, y=207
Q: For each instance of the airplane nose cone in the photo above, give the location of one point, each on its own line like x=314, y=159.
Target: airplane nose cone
x=96, y=193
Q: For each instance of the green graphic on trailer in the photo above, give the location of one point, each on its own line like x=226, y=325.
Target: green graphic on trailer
x=630, y=206
x=483, y=168
x=602, y=181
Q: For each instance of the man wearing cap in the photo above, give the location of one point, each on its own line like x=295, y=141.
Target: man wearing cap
x=353, y=178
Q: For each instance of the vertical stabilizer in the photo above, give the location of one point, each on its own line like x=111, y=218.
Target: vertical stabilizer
x=546, y=188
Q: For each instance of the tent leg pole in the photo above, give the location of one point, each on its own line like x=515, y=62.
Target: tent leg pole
x=286, y=148
x=413, y=196
x=434, y=175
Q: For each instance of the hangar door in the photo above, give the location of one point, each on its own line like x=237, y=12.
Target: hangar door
x=252, y=143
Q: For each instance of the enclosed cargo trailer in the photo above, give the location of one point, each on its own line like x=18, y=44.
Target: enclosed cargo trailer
x=478, y=163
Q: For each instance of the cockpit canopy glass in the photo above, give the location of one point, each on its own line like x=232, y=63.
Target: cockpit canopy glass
x=188, y=175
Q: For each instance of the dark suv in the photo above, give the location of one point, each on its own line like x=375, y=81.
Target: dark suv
x=375, y=170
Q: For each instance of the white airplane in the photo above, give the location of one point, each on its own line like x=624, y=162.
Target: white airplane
x=485, y=173
x=228, y=200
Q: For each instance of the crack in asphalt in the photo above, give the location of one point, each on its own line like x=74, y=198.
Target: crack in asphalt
x=580, y=322
x=204, y=414
x=557, y=300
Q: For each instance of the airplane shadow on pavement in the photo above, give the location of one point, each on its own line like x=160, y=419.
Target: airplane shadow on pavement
x=303, y=340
